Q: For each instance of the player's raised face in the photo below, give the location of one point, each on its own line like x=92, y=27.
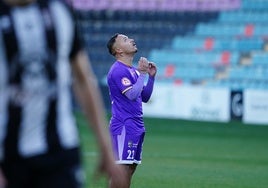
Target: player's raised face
x=123, y=44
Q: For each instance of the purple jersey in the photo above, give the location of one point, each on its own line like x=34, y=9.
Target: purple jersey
x=125, y=112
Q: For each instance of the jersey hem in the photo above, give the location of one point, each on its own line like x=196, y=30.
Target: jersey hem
x=128, y=162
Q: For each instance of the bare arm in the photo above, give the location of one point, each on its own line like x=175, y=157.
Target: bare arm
x=89, y=97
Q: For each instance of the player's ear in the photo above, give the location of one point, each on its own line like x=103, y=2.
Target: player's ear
x=118, y=50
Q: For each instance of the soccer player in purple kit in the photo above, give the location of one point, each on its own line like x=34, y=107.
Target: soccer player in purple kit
x=127, y=92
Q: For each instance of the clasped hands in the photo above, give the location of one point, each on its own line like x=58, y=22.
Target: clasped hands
x=145, y=66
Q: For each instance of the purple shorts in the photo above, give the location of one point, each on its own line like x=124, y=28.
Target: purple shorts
x=128, y=148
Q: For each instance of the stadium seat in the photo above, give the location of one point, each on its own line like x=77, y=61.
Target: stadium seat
x=171, y=5
x=257, y=5
x=245, y=17
x=260, y=58
x=188, y=39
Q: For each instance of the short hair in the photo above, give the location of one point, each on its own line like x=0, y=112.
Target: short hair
x=110, y=44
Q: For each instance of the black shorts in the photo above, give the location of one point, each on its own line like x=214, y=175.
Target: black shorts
x=58, y=170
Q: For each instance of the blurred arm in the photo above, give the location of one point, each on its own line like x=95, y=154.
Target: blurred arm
x=89, y=98
x=2, y=179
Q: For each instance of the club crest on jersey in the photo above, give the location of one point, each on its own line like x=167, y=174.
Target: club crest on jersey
x=125, y=81
x=130, y=143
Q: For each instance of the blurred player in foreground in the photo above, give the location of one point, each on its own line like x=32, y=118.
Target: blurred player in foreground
x=127, y=92
x=39, y=142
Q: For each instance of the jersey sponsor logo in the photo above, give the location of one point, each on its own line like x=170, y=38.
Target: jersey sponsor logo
x=125, y=81
x=130, y=143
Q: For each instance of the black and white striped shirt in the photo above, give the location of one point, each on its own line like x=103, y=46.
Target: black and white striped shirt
x=36, y=44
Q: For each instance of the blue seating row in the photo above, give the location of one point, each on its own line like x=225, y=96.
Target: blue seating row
x=217, y=43
x=171, y=5
x=231, y=30
x=256, y=5
x=149, y=15
x=244, y=17
x=167, y=56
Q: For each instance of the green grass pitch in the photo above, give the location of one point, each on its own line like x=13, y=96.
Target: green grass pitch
x=188, y=154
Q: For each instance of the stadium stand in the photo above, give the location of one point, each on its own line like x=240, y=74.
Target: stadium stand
x=214, y=43
x=150, y=29
x=157, y=5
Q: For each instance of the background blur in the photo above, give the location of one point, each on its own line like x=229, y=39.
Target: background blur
x=211, y=54
x=210, y=92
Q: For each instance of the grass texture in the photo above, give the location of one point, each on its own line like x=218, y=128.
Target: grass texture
x=188, y=154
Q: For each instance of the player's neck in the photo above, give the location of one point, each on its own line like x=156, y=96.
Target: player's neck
x=125, y=60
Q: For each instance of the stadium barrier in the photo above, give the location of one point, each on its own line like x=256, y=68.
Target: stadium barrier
x=255, y=106
x=208, y=104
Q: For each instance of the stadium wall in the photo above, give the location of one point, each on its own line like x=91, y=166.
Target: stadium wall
x=208, y=104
